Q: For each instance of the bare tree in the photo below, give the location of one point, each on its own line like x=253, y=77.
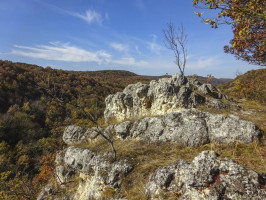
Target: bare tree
x=175, y=40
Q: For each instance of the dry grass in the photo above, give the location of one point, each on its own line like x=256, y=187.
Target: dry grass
x=255, y=112
x=247, y=110
x=147, y=157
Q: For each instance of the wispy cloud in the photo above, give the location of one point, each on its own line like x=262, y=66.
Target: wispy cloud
x=66, y=52
x=154, y=46
x=137, y=49
x=90, y=16
x=119, y=46
x=204, y=63
x=62, y=52
x=130, y=61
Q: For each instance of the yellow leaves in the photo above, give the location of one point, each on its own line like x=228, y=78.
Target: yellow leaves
x=195, y=2
x=199, y=14
x=213, y=24
x=244, y=32
x=207, y=21
x=4, y=175
x=23, y=160
x=26, y=107
x=251, y=86
x=15, y=188
x=221, y=14
x=74, y=114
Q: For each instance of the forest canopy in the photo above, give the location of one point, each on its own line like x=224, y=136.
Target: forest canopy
x=32, y=121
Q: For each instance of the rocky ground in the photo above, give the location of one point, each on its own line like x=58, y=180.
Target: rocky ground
x=149, y=120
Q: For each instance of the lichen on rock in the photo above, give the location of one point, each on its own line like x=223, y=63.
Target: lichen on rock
x=190, y=127
x=207, y=177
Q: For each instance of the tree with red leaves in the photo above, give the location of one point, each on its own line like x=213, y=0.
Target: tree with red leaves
x=247, y=18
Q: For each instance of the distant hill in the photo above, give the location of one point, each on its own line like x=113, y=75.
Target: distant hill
x=20, y=82
x=214, y=81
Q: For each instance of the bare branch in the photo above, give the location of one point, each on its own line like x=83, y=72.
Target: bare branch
x=175, y=40
x=56, y=94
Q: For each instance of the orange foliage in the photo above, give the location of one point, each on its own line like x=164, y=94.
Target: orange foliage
x=247, y=19
x=46, y=170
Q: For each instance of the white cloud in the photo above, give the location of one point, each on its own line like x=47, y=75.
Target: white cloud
x=137, y=49
x=130, y=61
x=91, y=16
x=119, y=46
x=62, y=52
x=153, y=46
x=65, y=52
x=204, y=63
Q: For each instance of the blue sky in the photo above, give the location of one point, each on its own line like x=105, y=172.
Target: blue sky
x=112, y=34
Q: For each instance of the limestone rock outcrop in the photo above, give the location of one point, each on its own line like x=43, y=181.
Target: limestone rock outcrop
x=187, y=127
x=74, y=134
x=160, y=97
x=96, y=171
x=190, y=127
x=207, y=177
x=165, y=111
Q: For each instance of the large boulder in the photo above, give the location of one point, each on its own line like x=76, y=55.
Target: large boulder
x=190, y=127
x=158, y=98
x=206, y=177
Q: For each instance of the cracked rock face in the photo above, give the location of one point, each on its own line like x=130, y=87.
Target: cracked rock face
x=187, y=127
x=96, y=171
x=73, y=134
x=207, y=177
x=160, y=97
x=76, y=134
x=190, y=127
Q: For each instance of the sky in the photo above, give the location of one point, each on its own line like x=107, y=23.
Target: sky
x=89, y=35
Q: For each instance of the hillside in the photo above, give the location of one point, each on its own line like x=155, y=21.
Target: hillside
x=38, y=103
x=249, y=86
x=160, y=143
x=214, y=81
x=20, y=81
